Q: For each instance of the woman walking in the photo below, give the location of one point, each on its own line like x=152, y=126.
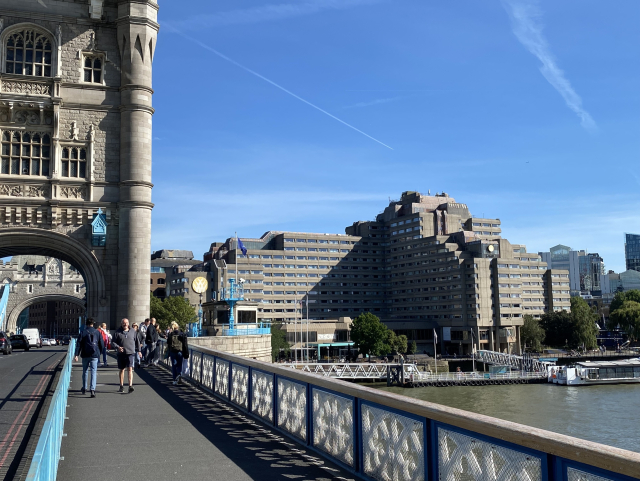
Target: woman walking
x=178, y=351
x=106, y=339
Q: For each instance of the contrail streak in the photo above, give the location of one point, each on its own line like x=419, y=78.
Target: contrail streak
x=211, y=49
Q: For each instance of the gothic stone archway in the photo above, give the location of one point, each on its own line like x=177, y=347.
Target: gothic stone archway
x=12, y=316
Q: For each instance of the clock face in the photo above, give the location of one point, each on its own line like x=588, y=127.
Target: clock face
x=490, y=248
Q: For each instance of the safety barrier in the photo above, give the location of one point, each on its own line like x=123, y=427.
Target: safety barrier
x=383, y=436
x=44, y=465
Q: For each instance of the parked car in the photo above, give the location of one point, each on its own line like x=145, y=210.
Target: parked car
x=5, y=344
x=45, y=342
x=19, y=341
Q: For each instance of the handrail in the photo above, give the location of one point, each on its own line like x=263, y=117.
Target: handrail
x=373, y=432
x=44, y=465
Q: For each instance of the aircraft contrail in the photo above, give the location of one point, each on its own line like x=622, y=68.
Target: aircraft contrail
x=211, y=49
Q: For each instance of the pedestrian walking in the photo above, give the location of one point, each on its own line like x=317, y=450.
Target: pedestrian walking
x=137, y=359
x=178, y=351
x=106, y=339
x=89, y=348
x=143, y=331
x=151, y=340
x=127, y=347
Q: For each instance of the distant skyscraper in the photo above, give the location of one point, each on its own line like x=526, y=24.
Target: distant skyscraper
x=632, y=251
x=563, y=257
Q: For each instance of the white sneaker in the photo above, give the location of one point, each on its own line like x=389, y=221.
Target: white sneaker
x=175, y=383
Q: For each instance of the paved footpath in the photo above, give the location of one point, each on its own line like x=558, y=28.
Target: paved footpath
x=164, y=432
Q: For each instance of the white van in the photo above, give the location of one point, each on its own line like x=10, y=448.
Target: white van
x=34, y=337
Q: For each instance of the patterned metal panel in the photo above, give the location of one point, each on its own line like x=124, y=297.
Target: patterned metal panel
x=207, y=371
x=333, y=425
x=462, y=457
x=195, y=366
x=392, y=445
x=577, y=475
x=292, y=407
x=262, y=394
x=240, y=385
x=222, y=377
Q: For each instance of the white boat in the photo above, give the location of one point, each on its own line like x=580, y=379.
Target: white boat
x=596, y=372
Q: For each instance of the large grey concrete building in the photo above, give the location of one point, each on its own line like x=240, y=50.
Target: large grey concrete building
x=424, y=263
x=75, y=134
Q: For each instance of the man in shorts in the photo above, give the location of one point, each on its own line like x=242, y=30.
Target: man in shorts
x=127, y=345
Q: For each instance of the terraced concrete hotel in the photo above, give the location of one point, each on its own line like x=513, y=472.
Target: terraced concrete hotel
x=424, y=263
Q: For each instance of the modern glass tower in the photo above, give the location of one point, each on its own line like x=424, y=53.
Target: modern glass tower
x=632, y=251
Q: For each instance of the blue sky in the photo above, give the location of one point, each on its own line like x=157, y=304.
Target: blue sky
x=310, y=115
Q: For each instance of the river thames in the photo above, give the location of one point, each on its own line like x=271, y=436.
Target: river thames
x=604, y=414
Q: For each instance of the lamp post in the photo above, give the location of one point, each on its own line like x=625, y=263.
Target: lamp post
x=199, y=286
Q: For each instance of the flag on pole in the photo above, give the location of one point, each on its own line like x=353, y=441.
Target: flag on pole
x=242, y=247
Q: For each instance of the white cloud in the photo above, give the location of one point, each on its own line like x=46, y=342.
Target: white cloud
x=269, y=13
x=527, y=27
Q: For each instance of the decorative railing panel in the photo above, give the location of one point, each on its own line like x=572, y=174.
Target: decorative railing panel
x=292, y=407
x=333, y=429
x=262, y=394
x=196, y=366
x=393, y=445
x=207, y=371
x=222, y=377
x=384, y=436
x=240, y=385
x=466, y=457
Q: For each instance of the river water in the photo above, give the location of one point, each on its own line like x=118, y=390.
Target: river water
x=604, y=414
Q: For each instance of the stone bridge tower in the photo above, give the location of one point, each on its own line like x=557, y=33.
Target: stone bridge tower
x=75, y=135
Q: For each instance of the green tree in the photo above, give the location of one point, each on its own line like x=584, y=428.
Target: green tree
x=557, y=327
x=402, y=344
x=413, y=348
x=369, y=335
x=627, y=316
x=532, y=333
x=620, y=297
x=172, y=309
x=278, y=341
x=583, y=320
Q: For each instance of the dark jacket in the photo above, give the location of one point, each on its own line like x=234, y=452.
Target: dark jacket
x=86, y=347
x=127, y=340
x=141, y=337
x=183, y=339
x=152, y=334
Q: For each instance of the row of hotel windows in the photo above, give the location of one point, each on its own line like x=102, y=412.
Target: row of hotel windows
x=484, y=224
x=29, y=153
x=320, y=241
x=402, y=222
x=518, y=266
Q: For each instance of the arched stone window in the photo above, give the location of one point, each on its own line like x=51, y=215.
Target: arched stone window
x=25, y=153
x=74, y=162
x=28, y=52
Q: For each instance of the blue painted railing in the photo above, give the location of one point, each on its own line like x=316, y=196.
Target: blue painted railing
x=383, y=436
x=257, y=329
x=44, y=465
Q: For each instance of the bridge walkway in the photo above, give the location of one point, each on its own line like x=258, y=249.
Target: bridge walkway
x=165, y=432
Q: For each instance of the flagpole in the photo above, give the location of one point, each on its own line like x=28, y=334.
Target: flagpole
x=307, y=327
x=435, y=351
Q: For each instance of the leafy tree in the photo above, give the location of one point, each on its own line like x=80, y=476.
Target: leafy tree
x=583, y=320
x=369, y=335
x=557, y=327
x=620, y=297
x=172, y=309
x=627, y=316
x=532, y=333
x=412, y=348
x=402, y=344
x=278, y=341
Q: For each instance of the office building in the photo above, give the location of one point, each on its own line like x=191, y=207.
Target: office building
x=632, y=251
x=424, y=264
x=563, y=257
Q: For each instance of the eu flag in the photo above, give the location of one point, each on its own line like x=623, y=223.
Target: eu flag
x=242, y=247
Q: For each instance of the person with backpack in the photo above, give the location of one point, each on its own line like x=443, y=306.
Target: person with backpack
x=89, y=347
x=143, y=331
x=178, y=351
x=106, y=339
x=127, y=346
x=138, y=359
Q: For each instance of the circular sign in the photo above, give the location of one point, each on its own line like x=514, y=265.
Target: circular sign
x=489, y=248
x=199, y=285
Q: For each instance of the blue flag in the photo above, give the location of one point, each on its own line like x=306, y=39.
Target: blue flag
x=242, y=247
